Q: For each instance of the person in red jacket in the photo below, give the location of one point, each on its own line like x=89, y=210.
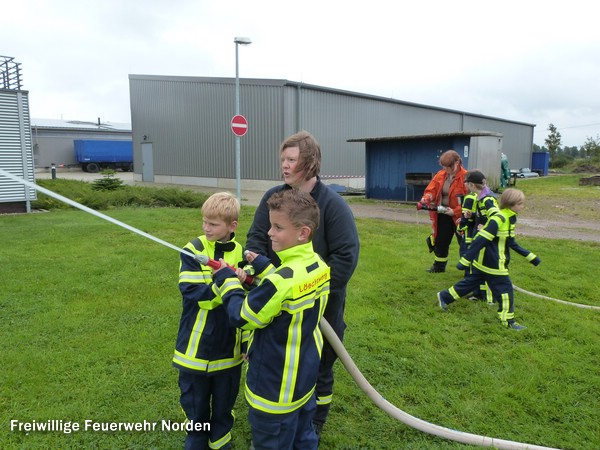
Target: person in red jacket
x=446, y=189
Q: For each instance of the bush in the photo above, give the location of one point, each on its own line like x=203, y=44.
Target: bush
x=108, y=183
x=90, y=195
x=561, y=160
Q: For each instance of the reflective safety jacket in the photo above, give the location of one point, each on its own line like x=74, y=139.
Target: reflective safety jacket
x=490, y=249
x=284, y=311
x=206, y=342
x=434, y=190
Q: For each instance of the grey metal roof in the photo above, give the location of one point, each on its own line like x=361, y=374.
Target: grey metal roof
x=80, y=125
x=300, y=85
x=427, y=136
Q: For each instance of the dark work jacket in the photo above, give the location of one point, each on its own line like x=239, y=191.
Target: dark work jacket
x=206, y=342
x=336, y=240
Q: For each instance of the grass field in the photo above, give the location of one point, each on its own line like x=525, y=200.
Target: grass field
x=90, y=312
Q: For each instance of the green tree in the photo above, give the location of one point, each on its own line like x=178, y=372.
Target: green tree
x=573, y=152
x=591, y=147
x=553, y=141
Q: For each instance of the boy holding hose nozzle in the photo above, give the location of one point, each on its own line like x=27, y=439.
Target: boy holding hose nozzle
x=208, y=351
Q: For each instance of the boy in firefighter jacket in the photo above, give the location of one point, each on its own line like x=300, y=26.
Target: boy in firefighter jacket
x=485, y=206
x=284, y=311
x=489, y=257
x=208, y=352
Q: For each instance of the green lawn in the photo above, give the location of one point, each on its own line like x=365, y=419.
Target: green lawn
x=90, y=312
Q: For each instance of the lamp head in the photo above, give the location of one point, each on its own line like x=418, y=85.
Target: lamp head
x=242, y=40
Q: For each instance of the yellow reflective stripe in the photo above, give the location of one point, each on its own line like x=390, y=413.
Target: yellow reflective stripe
x=296, y=306
x=485, y=234
x=292, y=357
x=464, y=261
x=249, y=316
x=229, y=285
x=318, y=337
x=501, y=271
x=530, y=257
x=195, y=277
x=504, y=315
x=220, y=442
x=196, y=333
x=211, y=304
x=268, y=406
x=502, y=251
x=268, y=271
x=304, y=299
x=206, y=366
x=453, y=293
x=324, y=399
x=246, y=335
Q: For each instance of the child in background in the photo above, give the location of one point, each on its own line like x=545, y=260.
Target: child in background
x=489, y=257
x=466, y=225
x=284, y=311
x=208, y=352
x=486, y=205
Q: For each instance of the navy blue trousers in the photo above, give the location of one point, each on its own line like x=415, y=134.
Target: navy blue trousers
x=210, y=399
x=293, y=431
x=500, y=286
x=334, y=314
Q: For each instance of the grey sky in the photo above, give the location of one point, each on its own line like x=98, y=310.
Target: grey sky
x=530, y=61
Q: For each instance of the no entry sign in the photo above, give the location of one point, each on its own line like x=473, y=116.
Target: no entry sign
x=239, y=125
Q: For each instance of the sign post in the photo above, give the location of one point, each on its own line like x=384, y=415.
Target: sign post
x=239, y=126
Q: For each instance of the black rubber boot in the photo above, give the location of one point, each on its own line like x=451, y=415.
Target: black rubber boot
x=438, y=267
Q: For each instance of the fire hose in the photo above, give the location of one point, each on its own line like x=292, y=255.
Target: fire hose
x=414, y=422
x=332, y=338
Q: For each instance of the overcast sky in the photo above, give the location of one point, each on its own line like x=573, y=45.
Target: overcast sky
x=536, y=62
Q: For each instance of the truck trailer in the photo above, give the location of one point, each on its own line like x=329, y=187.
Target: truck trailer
x=95, y=155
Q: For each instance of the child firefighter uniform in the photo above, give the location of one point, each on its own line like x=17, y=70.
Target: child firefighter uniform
x=284, y=312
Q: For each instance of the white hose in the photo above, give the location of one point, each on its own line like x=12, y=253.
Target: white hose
x=336, y=344
x=88, y=210
x=533, y=294
x=396, y=413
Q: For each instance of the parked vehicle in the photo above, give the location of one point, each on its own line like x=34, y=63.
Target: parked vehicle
x=95, y=155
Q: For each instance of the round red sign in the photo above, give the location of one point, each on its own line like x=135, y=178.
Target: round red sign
x=239, y=125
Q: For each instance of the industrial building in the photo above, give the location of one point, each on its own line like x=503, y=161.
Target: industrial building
x=53, y=139
x=181, y=130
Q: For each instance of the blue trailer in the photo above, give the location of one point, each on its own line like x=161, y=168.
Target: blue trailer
x=95, y=155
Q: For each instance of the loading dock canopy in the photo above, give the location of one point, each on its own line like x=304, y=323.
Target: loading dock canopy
x=428, y=136
x=400, y=167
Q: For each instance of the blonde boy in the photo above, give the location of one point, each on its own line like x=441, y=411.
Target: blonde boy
x=208, y=351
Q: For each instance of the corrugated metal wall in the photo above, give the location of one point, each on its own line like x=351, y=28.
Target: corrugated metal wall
x=187, y=119
x=189, y=125
x=336, y=117
x=517, y=138
x=16, y=155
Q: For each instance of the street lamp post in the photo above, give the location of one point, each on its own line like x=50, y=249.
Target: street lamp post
x=238, y=176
